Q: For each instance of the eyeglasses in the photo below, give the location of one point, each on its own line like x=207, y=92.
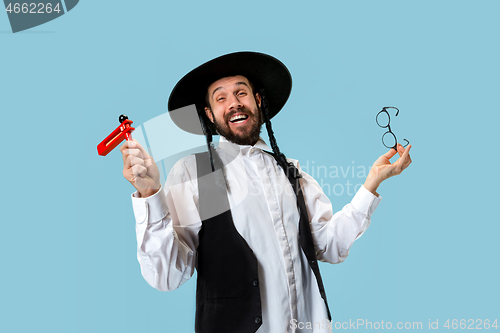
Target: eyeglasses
x=388, y=139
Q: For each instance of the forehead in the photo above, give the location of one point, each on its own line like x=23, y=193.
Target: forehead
x=227, y=82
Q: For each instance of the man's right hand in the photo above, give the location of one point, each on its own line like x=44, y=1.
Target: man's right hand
x=140, y=169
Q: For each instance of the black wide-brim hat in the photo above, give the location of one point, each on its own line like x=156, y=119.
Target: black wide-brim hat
x=264, y=71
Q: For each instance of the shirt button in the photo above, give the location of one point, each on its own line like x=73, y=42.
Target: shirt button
x=258, y=320
x=255, y=283
x=252, y=150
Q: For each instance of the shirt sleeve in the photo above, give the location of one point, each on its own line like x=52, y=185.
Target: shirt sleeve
x=167, y=226
x=335, y=233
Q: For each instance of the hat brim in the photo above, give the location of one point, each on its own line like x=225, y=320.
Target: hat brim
x=264, y=71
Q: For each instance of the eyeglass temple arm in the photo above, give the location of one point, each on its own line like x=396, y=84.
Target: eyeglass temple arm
x=390, y=107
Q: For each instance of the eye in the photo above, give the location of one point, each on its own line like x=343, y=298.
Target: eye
x=220, y=99
x=242, y=93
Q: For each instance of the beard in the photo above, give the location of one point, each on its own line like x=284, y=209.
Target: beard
x=250, y=137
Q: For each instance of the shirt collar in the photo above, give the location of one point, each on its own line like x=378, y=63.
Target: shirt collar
x=259, y=145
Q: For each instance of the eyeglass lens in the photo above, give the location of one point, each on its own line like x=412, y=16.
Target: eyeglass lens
x=383, y=120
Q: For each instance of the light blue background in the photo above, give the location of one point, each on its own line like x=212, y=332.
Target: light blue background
x=68, y=240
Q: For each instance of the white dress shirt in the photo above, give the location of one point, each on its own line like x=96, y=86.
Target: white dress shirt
x=264, y=211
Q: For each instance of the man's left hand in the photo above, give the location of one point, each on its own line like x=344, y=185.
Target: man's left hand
x=383, y=168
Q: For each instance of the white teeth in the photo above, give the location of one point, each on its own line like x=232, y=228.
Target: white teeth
x=238, y=117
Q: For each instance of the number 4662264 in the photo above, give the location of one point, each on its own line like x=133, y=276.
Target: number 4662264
x=470, y=324
x=32, y=8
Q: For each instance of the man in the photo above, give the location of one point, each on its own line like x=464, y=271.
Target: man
x=256, y=250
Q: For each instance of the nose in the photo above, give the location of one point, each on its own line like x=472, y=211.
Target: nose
x=234, y=102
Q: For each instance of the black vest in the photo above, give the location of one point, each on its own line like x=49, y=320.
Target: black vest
x=227, y=294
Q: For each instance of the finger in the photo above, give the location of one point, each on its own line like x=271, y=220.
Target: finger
x=124, y=150
x=132, y=147
x=127, y=144
x=406, y=153
x=126, y=147
x=148, y=163
x=401, y=149
x=139, y=171
x=134, y=144
x=405, y=159
x=408, y=158
x=136, y=161
x=133, y=152
x=389, y=154
x=127, y=163
x=132, y=160
x=127, y=173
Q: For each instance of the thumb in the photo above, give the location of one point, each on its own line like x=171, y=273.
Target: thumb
x=390, y=153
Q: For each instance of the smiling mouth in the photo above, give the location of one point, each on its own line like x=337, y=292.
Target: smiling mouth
x=238, y=119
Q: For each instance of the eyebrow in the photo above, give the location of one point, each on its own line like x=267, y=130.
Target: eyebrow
x=236, y=84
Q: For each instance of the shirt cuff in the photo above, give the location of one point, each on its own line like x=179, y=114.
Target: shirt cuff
x=365, y=201
x=153, y=208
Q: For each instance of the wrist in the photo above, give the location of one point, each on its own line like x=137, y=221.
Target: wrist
x=148, y=193
x=371, y=185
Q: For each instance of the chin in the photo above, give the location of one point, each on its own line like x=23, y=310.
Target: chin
x=248, y=136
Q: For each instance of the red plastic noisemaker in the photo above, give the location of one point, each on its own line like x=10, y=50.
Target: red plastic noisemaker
x=122, y=132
